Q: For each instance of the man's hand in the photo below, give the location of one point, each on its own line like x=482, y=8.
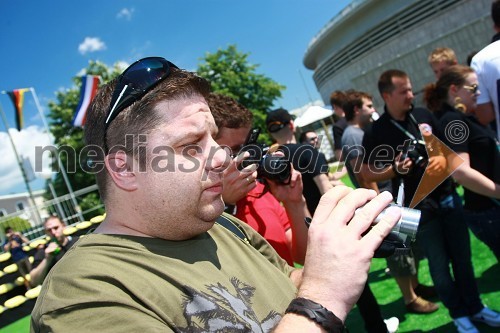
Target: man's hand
x=236, y=183
x=436, y=166
x=402, y=167
x=339, y=252
x=49, y=250
x=289, y=193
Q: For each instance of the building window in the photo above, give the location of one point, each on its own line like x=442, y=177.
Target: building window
x=20, y=205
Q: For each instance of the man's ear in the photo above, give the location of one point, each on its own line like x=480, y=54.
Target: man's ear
x=120, y=167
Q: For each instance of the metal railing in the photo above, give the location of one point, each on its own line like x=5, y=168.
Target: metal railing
x=63, y=206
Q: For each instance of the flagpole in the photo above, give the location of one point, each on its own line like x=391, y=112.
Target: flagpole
x=26, y=182
x=59, y=162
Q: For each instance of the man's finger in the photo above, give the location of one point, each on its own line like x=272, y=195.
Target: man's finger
x=328, y=201
x=343, y=212
x=365, y=216
x=378, y=232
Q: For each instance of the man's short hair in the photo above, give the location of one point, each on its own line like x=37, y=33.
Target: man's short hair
x=228, y=112
x=385, y=84
x=338, y=98
x=495, y=12
x=53, y=217
x=139, y=118
x=355, y=99
x=443, y=54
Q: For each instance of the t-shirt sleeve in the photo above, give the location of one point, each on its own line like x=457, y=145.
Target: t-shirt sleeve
x=38, y=257
x=478, y=67
x=448, y=124
x=368, y=144
x=337, y=136
x=351, y=145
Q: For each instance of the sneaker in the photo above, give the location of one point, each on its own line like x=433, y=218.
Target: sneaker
x=487, y=316
x=392, y=324
x=420, y=305
x=464, y=325
x=425, y=291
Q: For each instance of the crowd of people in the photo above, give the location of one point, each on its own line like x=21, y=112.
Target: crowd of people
x=200, y=235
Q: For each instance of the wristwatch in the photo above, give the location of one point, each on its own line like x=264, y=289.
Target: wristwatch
x=318, y=313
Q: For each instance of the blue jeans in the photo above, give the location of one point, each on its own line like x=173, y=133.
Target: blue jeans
x=445, y=240
x=486, y=226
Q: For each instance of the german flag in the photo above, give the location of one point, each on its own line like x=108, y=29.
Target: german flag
x=17, y=97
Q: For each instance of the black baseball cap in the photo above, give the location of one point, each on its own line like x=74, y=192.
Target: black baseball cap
x=277, y=119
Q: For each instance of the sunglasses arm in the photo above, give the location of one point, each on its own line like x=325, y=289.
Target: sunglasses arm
x=116, y=103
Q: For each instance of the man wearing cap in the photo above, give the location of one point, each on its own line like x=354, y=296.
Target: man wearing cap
x=305, y=158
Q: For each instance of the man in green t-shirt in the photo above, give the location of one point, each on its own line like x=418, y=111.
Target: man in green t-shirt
x=160, y=263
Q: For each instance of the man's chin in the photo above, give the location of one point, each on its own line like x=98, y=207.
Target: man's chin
x=211, y=212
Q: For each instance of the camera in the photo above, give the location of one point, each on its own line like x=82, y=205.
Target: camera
x=407, y=226
x=272, y=167
x=417, y=155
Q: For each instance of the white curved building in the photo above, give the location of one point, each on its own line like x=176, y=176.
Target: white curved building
x=371, y=36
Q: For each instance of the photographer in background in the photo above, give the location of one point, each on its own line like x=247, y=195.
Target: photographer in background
x=305, y=158
x=14, y=244
x=282, y=226
x=442, y=233
x=49, y=254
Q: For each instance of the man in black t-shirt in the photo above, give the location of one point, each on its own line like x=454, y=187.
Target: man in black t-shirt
x=442, y=232
x=49, y=254
x=305, y=158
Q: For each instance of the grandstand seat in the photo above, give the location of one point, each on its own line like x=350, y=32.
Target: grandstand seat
x=33, y=292
x=98, y=219
x=5, y=256
x=10, y=269
x=70, y=230
x=83, y=225
x=15, y=301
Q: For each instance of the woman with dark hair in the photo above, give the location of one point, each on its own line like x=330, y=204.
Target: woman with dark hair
x=453, y=99
x=475, y=157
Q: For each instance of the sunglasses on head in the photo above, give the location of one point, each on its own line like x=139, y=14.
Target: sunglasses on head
x=135, y=82
x=473, y=88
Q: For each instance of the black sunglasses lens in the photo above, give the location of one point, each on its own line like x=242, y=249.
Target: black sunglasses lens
x=145, y=73
x=137, y=80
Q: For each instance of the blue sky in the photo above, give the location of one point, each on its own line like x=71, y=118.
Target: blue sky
x=46, y=43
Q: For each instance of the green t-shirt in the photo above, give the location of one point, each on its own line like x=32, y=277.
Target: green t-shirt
x=212, y=283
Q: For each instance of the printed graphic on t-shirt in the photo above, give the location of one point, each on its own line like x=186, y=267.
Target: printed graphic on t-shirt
x=221, y=311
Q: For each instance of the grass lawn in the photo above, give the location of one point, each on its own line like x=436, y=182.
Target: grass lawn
x=487, y=271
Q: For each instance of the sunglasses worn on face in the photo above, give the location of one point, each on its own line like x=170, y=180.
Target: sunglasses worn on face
x=135, y=82
x=473, y=88
x=275, y=126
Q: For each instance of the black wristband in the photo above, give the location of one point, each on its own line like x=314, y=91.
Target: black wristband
x=318, y=313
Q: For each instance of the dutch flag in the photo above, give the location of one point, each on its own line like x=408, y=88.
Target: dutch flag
x=90, y=84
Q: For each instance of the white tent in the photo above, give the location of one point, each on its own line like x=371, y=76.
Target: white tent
x=313, y=114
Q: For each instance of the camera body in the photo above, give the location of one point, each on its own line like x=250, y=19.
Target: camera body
x=418, y=155
x=272, y=167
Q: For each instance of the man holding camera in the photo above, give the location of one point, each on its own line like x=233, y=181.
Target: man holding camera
x=442, y=232
x=282, y=226
x=305, y=158
x=159, y=262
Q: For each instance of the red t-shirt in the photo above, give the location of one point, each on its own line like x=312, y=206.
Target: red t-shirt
x=266, y=215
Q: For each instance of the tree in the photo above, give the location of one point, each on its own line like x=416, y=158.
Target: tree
x=69, y=139
x=230, y=73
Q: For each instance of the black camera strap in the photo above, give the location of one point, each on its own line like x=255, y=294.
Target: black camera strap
x=405, y=131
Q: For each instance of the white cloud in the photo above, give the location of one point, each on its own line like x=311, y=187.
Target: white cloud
x=91, y=44
x=125, y=13
x=25, y=141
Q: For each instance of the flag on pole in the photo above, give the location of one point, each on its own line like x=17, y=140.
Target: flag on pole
x=89, y=89
x=17, y=97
